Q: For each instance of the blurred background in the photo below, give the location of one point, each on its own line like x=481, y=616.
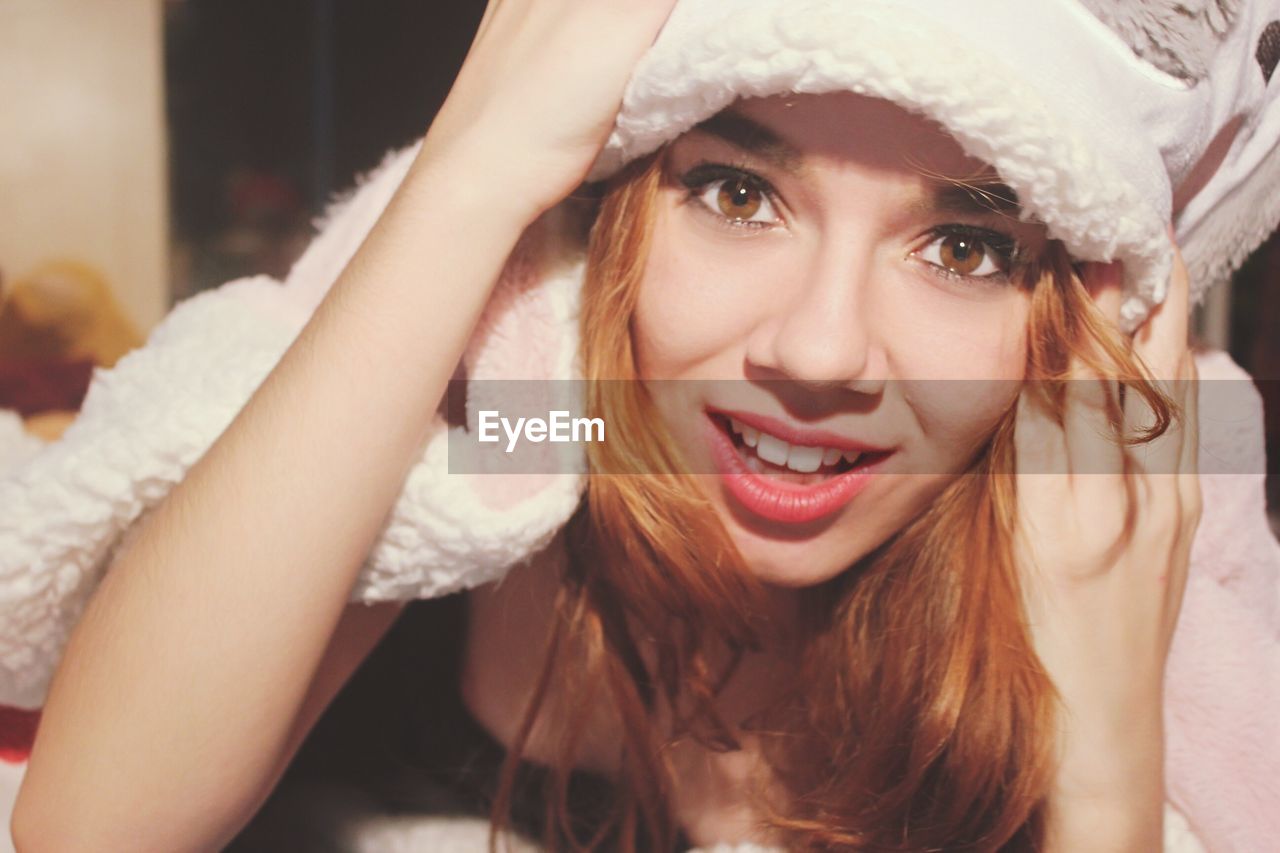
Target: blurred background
x=155, y=148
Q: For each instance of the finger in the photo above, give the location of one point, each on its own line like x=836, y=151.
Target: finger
x=1093, y=410
x=1040, y=453
x=1096, y=467
x=1162, y=340
x=1090, y=422
x=1190, y=497
x=1161, y=344
x=1164, y=453
x=1105, y=283
x=1190, y=458
x=486, y=21
x=487, y=18
x=1176, y=581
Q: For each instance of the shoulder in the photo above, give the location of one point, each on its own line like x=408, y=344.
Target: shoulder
x=508, y=628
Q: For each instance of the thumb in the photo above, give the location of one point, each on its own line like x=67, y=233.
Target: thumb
x=1105, y=283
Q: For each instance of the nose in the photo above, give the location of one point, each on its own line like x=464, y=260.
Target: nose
x=821, y=329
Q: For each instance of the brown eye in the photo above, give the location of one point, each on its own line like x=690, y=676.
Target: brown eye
x=968, y=252
x=731, y=197
x=961, y=253
x=738, y=199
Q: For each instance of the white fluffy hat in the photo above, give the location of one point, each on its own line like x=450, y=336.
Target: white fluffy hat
x=1109, y=118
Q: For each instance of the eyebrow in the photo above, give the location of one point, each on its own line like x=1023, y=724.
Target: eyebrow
x=748, y=134
x=978, y=196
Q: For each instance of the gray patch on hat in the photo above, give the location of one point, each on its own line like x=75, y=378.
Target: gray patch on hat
x=1268, y=53
x=1177, y=36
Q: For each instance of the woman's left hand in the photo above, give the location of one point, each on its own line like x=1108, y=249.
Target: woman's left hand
x=1103, y=546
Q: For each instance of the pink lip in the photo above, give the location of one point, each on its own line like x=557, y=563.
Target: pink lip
x=797, y=435
x=787, y=503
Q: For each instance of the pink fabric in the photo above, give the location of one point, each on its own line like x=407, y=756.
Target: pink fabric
x=1222, y=703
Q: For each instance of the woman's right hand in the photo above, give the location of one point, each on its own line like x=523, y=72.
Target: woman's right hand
x=539, y=91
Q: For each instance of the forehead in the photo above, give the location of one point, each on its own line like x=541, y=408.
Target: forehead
x=846, y=124
x=801, y=133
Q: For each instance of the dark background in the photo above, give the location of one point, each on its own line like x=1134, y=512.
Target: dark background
x=275, y=106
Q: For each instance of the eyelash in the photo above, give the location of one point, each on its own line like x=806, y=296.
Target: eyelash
x=702, y=176
x=699, y=178
x=1002, y=245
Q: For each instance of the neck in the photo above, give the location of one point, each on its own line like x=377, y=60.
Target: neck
x=506, y=640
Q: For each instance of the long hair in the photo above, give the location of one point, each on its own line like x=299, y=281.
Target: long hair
x=920, y=716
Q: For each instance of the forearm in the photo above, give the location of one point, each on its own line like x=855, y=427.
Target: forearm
x=178, y=688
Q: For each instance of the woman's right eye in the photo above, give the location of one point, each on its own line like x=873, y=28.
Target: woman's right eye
x=733, y=197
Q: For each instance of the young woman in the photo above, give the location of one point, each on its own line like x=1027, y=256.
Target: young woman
x=900, y=647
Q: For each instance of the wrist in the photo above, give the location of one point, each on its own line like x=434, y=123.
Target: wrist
x=474, y=178
x=1113, y=826
x=1108, y=791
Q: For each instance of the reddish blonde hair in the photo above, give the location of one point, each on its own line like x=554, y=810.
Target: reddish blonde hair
x=920, y=717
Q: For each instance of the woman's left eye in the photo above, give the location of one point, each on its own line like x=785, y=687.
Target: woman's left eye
x=967, y=252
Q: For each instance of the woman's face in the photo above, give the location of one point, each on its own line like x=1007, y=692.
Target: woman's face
x=832, y=292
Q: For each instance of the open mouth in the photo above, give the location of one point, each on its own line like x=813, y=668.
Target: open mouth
x=770, y=456
x=785, y=482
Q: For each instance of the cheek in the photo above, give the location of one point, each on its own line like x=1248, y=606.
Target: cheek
x=665, y=336
x=696, y=305
x=980, y=368
x=949, y=338
x=956, y=417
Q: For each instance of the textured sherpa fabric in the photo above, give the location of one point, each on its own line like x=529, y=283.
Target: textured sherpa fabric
x=1093, y=138
x=16, y=446
x=146, y=421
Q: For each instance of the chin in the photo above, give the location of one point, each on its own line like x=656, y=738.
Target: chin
x=798, y=559
x=795, y=556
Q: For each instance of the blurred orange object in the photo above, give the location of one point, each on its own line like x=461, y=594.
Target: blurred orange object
x=64, y=311
x=57, y=323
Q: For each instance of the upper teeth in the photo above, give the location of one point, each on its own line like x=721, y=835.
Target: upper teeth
x=797, y=457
